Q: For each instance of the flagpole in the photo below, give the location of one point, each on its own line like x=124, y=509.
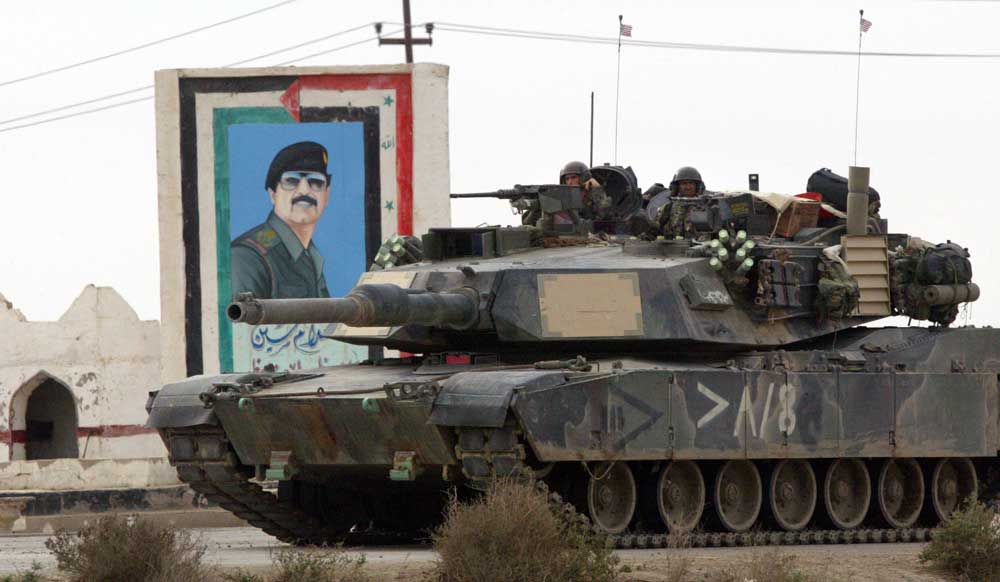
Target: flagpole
x=857, y=86
x=618, y=78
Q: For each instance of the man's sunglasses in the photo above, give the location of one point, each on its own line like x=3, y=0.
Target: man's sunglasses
x=290, y=180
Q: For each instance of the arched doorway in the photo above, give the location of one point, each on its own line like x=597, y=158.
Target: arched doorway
x=50, y=422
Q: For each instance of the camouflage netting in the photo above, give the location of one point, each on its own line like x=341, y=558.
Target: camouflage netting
x=920, y=265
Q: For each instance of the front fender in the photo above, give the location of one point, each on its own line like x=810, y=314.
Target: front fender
x=179, y=405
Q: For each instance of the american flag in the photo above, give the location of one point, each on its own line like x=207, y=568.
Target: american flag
x=865, y=25
x=626, y=29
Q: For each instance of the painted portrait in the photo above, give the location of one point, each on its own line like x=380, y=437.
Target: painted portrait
x=296, y=199
x=283, y=182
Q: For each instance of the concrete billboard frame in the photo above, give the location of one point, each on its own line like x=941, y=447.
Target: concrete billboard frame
x=404, y=113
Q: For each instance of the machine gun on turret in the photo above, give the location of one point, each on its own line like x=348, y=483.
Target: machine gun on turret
x=555, y=208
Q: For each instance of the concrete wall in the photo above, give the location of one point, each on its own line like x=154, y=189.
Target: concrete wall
x=86, y=475
x=102, y=356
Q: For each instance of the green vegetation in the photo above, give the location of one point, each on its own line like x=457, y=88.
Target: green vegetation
x=967, y=545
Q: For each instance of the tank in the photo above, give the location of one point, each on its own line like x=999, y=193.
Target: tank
x=713, y=371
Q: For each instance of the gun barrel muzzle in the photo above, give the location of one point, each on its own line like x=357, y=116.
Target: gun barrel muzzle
x=366, y=305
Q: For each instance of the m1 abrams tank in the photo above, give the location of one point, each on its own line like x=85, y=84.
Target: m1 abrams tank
x=719, y=380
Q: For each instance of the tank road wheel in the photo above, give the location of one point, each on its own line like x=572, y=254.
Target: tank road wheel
x=611, y=497
x=847, y=492
x=792, y=494
x=738, y=495
x=680, y=495
x=900, y=492
x=952, y=482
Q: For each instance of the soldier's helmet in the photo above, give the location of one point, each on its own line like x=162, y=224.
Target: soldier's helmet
x=578, y=168
x=687, y=173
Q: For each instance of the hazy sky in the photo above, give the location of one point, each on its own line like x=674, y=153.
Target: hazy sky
x=80, y=199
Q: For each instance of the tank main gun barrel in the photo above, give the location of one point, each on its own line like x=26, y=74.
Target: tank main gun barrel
x=365, y=305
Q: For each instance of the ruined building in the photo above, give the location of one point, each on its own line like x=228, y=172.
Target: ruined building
x=72, y=396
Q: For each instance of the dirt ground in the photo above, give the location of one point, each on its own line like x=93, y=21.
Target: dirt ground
x=249, y=549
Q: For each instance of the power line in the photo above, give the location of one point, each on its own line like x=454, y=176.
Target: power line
x=321, y=53
x=145, y=45
x=577, y=38
x=147, y=98
x=75, y=105
x=76, y=114
x=147, y=87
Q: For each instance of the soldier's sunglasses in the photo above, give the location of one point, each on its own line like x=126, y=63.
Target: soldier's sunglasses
x=291, y=180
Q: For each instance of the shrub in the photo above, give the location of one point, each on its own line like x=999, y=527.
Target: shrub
x=117, y=549
x=513, y=533
x=967, y=544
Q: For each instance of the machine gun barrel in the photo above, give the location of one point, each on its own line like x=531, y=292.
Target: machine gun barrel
x=501, y=194
x=366, y=305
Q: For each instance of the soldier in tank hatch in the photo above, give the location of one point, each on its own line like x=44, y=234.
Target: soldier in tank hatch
x=687, y=183
x=673, y=217
x=278, y=259
x=596, y=199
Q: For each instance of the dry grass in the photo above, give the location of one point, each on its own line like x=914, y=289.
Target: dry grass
x=676, y=568
x=309, y=566
x=118, y=549
x=967, y=545
x=764, y=566
x=513, y=533
x=31, y=575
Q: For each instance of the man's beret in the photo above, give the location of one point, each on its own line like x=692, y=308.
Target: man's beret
x=304, y=156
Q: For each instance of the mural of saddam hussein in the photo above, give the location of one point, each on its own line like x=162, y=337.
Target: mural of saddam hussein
x=277, y=259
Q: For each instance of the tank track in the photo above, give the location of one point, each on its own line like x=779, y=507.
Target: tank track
x=511, y=463
x=215, y=474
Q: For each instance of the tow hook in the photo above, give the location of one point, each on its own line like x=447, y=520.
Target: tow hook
x=404, y=466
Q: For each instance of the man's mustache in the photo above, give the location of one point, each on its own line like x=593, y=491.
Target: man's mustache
x=304, y=198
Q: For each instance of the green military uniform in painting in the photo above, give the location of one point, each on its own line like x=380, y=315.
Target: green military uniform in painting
x=269, y=261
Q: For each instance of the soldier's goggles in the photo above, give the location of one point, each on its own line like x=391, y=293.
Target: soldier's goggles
x=291, y=180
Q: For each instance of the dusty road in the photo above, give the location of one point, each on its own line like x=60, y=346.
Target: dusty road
x=250, y=549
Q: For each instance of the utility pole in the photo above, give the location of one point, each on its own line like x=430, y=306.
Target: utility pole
x=407, y=41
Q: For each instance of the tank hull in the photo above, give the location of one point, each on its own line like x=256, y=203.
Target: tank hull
x=870, y=404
